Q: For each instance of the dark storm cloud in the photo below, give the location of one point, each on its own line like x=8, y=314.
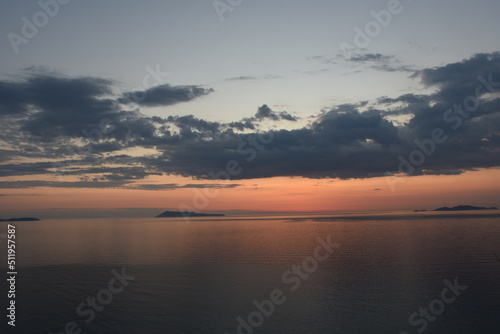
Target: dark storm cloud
x=357, y=140
x=165, y=95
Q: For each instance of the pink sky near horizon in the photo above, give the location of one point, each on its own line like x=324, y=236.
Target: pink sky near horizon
x=280, y=194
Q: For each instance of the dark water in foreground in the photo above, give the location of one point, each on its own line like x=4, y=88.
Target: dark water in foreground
x=199, y=277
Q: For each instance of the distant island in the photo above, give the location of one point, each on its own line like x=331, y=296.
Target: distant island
x=24, y=219
x=169, y=214
x=459, y=208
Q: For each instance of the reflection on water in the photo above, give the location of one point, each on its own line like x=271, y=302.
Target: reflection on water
x=199, y=277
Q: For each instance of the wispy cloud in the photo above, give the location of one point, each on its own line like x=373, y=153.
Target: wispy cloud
x=252, y=77
x=363, y=58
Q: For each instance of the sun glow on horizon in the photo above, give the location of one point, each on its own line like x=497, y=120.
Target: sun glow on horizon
x=279, y=194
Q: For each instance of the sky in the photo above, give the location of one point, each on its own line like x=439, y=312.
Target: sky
x=136, y=107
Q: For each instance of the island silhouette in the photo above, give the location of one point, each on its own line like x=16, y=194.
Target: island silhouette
x=459, y=208
x=171, y=214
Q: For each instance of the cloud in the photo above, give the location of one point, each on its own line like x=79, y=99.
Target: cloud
x=48, y=107
x=264, y=112
x=224, y=186
x=173, y=186
x=32, y=168
x=51, y=96
x=457, y=80
x=44, y=118
x=60, y=184
x=378, y=61
x=340, y=144
x=357, y=140
x=242, y=78
x=251, y=77
x=165, y=95
x=373, y=57
x=105, y=184
x=21, y=195
x=363, y=58
x=243, y=125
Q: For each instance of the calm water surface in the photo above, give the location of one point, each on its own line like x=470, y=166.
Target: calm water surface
x=199, y=277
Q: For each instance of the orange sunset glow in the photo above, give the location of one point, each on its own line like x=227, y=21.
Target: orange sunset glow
x=281, y=194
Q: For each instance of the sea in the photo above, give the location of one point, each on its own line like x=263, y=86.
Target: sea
x=345, y=273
